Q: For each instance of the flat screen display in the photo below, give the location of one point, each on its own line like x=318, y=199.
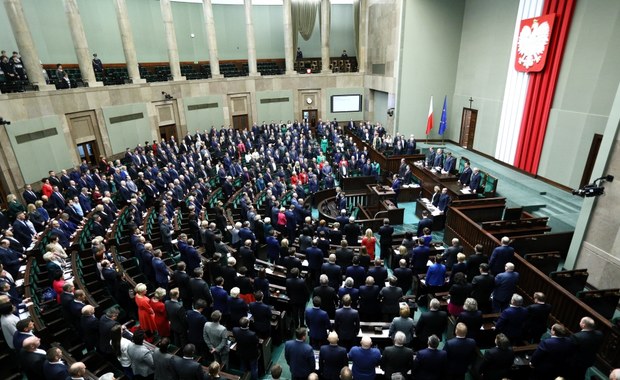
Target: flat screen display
x=346, y=103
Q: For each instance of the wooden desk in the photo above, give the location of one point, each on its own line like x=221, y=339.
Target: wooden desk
x=429, y=180
x=439, y=220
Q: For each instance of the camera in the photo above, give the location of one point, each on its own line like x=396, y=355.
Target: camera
x=594, y=189
x=4, y=122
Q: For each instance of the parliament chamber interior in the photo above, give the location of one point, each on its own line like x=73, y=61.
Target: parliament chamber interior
x=309, y=189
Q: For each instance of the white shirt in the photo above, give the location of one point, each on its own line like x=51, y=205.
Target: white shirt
x=8, y=328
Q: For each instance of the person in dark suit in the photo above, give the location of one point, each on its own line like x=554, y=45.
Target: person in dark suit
x=553, y=355
x=89, y=327
x=369, y=305
x=332, y=271
x=318, y=323
x=390, y=297
x=444, y=200
x=385, y=241
x=461, y=353
x=344, y=255
x=449, y=163
x=500, y=256
x=465, y=175
x=505, y=287
x=195, y=325
x=177, y=317
x=31, y=358
x=425, y=222
x=364, y=359
x=511, y=320
x=587, y=343
x=475, y=181
x=236, y=307
x=356, y=272
x=11, y=260
x=247, y=347
x=53, y=367
x=397, y=358
x=314, y=255
x=482, y=288
x=185, y=367
x=432, y=322
x=328, y=295
x=497, y=361
x=332, y=358
x=181, y=280
x=21, y=230
x=404, y=276
x=298, y=296
x=162, y=360
x=471, y=317
x=29, y=196
x=537, y=318
x=160, y=269
x=379, y=273
x=299, y=355
x=352, y=232
x=347, y=323
x=474, y=261
x=199, y=288
x=106, y=322
x=449, y=255
x=261, y=316
x=430, y=363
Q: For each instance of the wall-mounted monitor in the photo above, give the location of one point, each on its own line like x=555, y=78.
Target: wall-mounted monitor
x=346, y=103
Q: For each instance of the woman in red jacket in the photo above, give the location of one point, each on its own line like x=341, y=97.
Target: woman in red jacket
x=146, y=315
x=161, y=318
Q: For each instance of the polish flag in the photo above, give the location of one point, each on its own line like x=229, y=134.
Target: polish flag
x=429, y=121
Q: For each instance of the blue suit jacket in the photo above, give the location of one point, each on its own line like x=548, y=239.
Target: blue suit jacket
x=331, y=361
x=318, y=323
x=552, y=357
x=55, y=371
x=347, y=323
x=300, y=358
x=261, y=313
x=430, y=364
x=444, y=201
x=510, y=322
x=461, y=354
x=505, y=286
x=161, y=271
x=436, y=275
x=195, y=324
x=500, y=256
x=474, y=182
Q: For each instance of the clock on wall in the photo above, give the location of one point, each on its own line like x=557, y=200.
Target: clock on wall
x=309, y=100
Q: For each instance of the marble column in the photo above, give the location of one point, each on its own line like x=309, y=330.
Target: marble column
x=249, y=32
x=171, y=40
x=214, y=61
x=289, y=54
x=80, y=44
x=25, y=44
x=325, y=28
x=127, y=39
x=363, y=36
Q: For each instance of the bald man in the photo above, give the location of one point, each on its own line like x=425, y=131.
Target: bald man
x=77, y=371
x=31, y=358
x=615, y=374
x=365, y=359
x=332, y=358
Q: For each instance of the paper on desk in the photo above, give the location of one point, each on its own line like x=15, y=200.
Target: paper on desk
x=466, y=191
x=436, y=212
x=304, y=263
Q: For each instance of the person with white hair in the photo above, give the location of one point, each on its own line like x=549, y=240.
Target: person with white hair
x=505, y=287
x=236, y=307
x=500, y=256
x=365, y=358
x=512, y=320
x=397, y=358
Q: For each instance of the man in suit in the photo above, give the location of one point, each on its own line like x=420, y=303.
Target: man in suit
x=216, y=338
x=53, y=367
x=497, y=361
x=298, y=296
x=439, y=158
x=186, y=367
x=465, y=175
x=318, y=323
x=261, y=315
x=449, y=255
x=332, y=271
x=385, y=240
x=537, y=318
x=500, y=256
x=162, y=360
x=364, y=359
x=378, y=272
x=432, y=322
x=181, y=280
x=505, y=287
x=474, y=261
x=11, y=260
x=369, y=305
x=22, y=232
x=195, y=326
x=347, y=323
x=397, y=358
x=404, y=275
x=430, y=363
x=29, y=196
x=475, y=181
x=553, y=356
x=482, y=288
x=177, y=317
x=247, y=347
x=344, y=255
x=425, y=222
x=356, y=272
x=89, y=327
x=332, y=358
x=161, y=270
x=31, y=358
x=106, y=323
x=329, y=298
x=461, y=353
x=352, y=232
x=299, y=355
x=449, y=163
x=587, y=343
x=314, y=255
x=511, y=321
x=199, y=289
x=444, y=200
x=390, y=297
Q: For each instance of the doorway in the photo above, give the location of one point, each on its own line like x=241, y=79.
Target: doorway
x=468, y=127
x=240, y=122
x=311, y=116
x=587, y=171
x=88, y=151
x=168, y=131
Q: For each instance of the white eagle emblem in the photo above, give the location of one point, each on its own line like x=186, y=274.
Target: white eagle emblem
x=532, y=43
